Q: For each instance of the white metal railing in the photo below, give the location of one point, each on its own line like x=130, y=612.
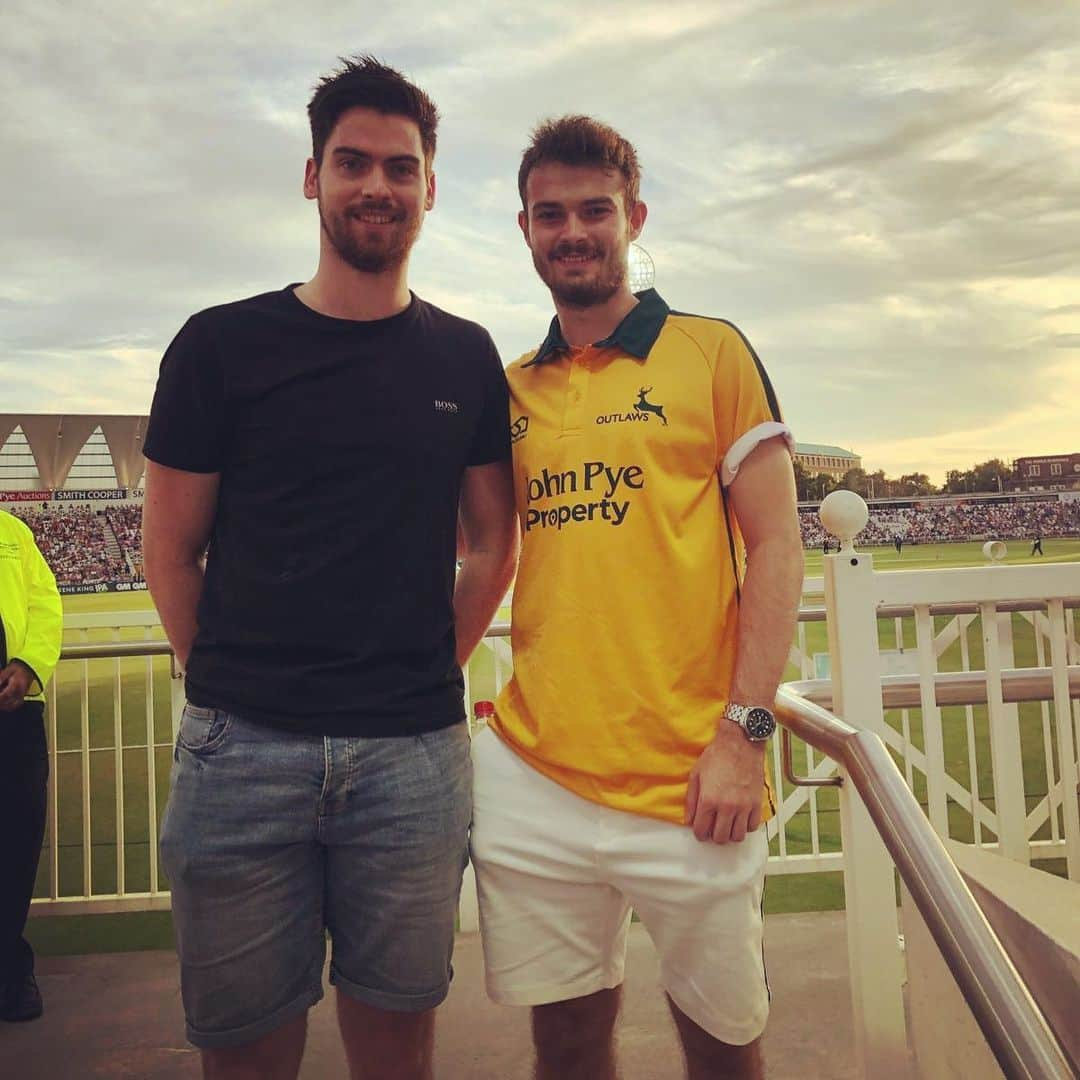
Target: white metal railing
x=915, y=639
x=856, y=600
x=110, y=723
x=1016, y=1033
x=105, y=714
x=1014, y=1026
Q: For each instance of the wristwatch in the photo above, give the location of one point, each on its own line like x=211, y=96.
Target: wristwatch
x=757, y=722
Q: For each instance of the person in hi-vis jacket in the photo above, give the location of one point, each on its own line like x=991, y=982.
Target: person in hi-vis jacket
x=31, y=626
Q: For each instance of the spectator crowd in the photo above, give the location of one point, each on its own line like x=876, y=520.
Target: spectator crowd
x=951, y=522
x=126, y=524
x=79, y=543
x=87, y=547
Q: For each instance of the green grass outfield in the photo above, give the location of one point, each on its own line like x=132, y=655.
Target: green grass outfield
x=944, y=556
x=138, y=677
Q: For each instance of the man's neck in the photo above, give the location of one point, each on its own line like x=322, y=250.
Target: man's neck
x=344, y=292
x=583, y=326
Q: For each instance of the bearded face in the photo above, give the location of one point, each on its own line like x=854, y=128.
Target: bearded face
x=582, y=274
x=373, y=236
x=578, y=229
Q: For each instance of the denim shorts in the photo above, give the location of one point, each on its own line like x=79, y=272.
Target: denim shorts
x=271, y=840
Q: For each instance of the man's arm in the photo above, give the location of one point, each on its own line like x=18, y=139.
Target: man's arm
x=724, y=798
x=44, y=621
x=489, y=527
x=178, y=515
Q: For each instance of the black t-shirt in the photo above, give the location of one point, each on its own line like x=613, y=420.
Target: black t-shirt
x=327, y=605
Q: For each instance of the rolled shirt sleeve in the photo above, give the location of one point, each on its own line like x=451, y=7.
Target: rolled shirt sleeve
x=745, y=407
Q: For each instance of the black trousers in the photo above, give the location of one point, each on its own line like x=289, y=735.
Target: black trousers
x=24, y=774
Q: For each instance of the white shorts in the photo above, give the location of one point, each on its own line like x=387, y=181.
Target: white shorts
x=557, y=877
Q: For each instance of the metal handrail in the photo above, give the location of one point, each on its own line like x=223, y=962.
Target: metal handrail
x=112, y=650
x=807, y=614
x=952, y=687
x=897, y=691
x=1014, y=1027
x=817, y=612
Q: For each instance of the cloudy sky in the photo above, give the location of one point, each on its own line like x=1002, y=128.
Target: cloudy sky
x=884, y=196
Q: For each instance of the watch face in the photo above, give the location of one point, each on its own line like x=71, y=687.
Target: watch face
x=760, y=723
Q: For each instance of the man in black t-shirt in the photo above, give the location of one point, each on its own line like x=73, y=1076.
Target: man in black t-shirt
x=319, y=444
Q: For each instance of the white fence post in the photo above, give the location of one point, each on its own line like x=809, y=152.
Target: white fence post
x=1005, y=749
x=1067, y=763
x=870, y=893
x=933, y=736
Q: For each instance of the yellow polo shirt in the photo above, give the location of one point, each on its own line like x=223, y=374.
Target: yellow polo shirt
x=627, y=596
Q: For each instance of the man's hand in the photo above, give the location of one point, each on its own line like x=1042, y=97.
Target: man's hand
x=15, y=682
x=723, y=801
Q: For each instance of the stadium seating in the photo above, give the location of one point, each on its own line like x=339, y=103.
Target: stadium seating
x=126, y=524
x=80, y=545
x=952, y=522
x=87, y=547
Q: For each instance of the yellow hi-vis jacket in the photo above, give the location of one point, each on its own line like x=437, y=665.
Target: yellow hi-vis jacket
x=31, y=612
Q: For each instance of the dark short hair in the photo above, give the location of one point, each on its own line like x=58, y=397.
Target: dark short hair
x=364, y=82
x=581, y=140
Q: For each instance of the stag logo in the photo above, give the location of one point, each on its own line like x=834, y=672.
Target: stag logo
x=518, y=428
x=643, y=406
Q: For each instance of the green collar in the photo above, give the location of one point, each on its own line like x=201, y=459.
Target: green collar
x=636, y=334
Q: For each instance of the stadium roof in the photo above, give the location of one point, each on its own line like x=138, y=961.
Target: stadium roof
x=55, y=440
x=825, y=451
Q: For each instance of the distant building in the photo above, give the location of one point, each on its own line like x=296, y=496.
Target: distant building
x=832, y=460
x=1047, y=472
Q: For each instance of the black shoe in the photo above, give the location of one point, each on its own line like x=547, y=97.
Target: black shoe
x=22, y=1000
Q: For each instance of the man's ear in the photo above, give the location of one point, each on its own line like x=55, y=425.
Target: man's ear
x=311, y=179
x=637, y=219
x=523, y=225
x=429, y=198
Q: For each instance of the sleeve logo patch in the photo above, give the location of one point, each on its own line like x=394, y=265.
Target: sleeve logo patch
x=519, y=428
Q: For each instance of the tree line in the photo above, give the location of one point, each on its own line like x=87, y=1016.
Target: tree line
x=986, y=477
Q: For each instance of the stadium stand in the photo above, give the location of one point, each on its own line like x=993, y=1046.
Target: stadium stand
x=76, y=479
x=126, y=524
x=957, y=521
x=77, y=543
x=92, y=548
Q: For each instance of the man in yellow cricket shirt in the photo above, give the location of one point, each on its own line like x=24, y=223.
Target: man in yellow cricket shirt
x=654, y=607
x=31, y=626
